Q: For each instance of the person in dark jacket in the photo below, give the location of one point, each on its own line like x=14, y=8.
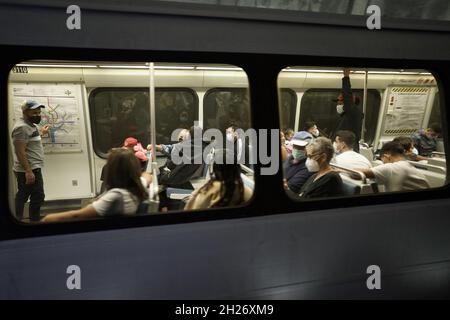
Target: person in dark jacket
x=179, y=175
x=426, y=140
x=325, y=182
x=295, y=171
x=350, y=114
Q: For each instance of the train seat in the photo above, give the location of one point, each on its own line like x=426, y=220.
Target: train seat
x=177, y=193
x=435, y=175
x=367, y=152
x=354, y=187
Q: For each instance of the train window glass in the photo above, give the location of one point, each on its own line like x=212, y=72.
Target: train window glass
x=81, y=143
x=117, y=113
x=225, y=106
x=288, y=107
x=435, y=116
x=400, y=9
x=317, y=105
x=346, y=145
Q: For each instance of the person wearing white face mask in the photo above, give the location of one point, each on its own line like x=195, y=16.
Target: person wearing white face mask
x=311, y=127
x=345, y=156
x=325, y=182
x=295, y=171
x=350, y=114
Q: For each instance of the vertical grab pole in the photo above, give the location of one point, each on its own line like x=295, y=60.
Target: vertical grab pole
x=151, y=98
x=153, y=188
x=363, y=128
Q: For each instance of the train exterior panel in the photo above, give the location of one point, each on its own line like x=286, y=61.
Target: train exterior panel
x=272, y=248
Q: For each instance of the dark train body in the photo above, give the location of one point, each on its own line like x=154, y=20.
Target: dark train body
x=272, y=248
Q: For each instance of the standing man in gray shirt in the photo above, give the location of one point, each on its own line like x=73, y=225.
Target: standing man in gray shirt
x=29, y=159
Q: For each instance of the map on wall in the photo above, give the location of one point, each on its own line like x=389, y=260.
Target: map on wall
x=61, y=113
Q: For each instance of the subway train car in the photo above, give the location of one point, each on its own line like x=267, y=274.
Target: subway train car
x=254, y=65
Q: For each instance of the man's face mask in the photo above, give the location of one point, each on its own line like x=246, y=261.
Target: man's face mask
x=298, y=154
x=35, y=119
x=316, y=133
x=340, y=108
x=337, y=147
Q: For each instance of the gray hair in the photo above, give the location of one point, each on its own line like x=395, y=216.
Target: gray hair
x=321, y=145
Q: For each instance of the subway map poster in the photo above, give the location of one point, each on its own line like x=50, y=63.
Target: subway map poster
x=61, y=113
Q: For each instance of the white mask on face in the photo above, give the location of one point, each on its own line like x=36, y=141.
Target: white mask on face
x=315, y=133
x=340, y=108
x=230, y=137
x=312, y=165
x=335, y=147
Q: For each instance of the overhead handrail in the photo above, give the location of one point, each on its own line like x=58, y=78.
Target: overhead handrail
x=354, y=172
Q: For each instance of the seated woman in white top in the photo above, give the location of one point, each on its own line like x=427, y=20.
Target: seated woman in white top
x=396, y=173
x=345, y=156
x=125, y=190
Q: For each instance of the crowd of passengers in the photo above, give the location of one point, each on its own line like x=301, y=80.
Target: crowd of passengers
x=307, y=159
x=308, y=171
x=126, y=179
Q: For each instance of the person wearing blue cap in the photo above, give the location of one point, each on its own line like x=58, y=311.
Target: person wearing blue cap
x=29, y=159
x=295, y=171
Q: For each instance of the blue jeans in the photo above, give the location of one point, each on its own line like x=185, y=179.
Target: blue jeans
x=33, y=191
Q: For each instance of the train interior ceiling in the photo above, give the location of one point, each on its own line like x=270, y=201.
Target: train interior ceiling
x=94, y=106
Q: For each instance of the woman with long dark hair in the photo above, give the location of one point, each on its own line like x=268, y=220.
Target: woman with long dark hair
x=124, y=193
x=224, y=189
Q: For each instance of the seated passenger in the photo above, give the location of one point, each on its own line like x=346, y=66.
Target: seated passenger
x=345, y=156
x=407, y=144
x=311, y=127
x=295, y=171
x=124, y=190
x=179, y=175
x=426, y=140
x=166, y=149
x=285, y=153
x=140, y=153
x=242, y=146
x=288, y=134
x=224, y=189
x=396, y=174
x=325, y=182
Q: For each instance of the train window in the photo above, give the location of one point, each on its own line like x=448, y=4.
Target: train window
x=77, y=158
x=225, y=106
x=317, y=105
x=435, y=116
x=346, y=145
x=400, y=9
x=117, y=113
x=288, y=107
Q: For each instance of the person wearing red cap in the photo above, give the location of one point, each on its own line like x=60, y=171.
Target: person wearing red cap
x=350, y=114
x=134, y=145
x=130, y=142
